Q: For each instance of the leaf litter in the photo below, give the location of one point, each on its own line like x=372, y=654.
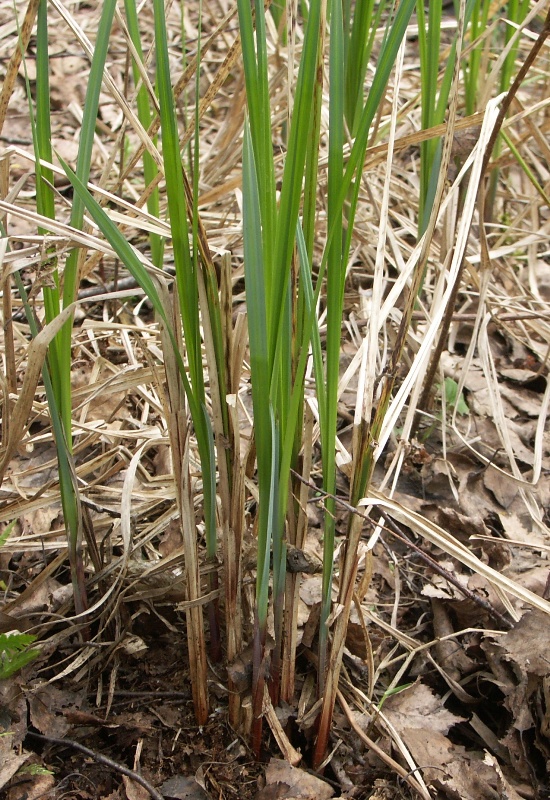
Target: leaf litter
x=441, y=688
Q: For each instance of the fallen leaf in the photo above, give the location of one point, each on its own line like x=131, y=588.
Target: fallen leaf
x=10, y=760
x=505, y=790
x=419, y=707
x=46, y=704
x=183, y=787
x=504, y=489
x=134, y=790
x=527, y=644
x=284, y=782
x=30, y=786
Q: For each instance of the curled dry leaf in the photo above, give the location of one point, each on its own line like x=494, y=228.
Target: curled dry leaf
x=422, y=720
x=285, y=782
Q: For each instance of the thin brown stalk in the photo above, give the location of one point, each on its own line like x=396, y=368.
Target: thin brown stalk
x=15, y=61
x=9, y=344
x=233, y=519
x=179, y=441
x=293, y=579
x=397, y=768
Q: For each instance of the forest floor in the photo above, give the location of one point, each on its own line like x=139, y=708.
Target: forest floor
x=444, y=673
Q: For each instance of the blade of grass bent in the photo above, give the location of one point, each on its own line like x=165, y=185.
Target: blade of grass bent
x=186, y=278
x=185, y=265
x=131, y=261
x=36, y=366
x=83, y=166
x=145, y=115
x=129, y=258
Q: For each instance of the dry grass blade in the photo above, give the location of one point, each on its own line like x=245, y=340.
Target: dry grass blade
x=15, y=61
x=19, y=414
x=440, y=538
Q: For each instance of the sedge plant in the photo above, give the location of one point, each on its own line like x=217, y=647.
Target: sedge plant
x=194, y=279
x=296, y=256
x=59, y=297
x=269, y=239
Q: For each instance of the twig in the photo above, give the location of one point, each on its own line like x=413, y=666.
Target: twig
x=395, y=531
x=392, y=528
x=108, y=762
x=97, y=293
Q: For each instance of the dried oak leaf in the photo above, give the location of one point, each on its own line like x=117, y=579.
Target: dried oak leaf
x=527, y=644
x=284, y=782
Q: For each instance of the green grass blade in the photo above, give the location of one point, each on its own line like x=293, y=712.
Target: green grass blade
x=42, y=138
x=186, y=277
x=358, y=47
x=56, y=381
x=87, y=133
x=133, y=264
x=259, y=364
x=291, y=190
x=336, y=268
x=83, y=165
x=68, y=487
x=254, y=49
x=185, y=265
x=145, y=116
x=385, y=63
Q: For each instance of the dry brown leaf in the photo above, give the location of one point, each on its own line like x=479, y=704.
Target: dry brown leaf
x=38, y=521
x=13, y=726
x=135, y=791
x=291, y=783
x=505, y=790
x=503, y=489
x=422, y=721
x=47, y=596
x=524, y=400
x=46, y=705
x=30, y=786
x=419, y=707
x=311, y=589
x=527, y=645
x=10, y=760
x=449, y=766
x=182, y=787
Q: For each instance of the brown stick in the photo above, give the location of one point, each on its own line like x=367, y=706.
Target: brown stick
x=108, y=762
x=15, y=60
x=392, y=528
